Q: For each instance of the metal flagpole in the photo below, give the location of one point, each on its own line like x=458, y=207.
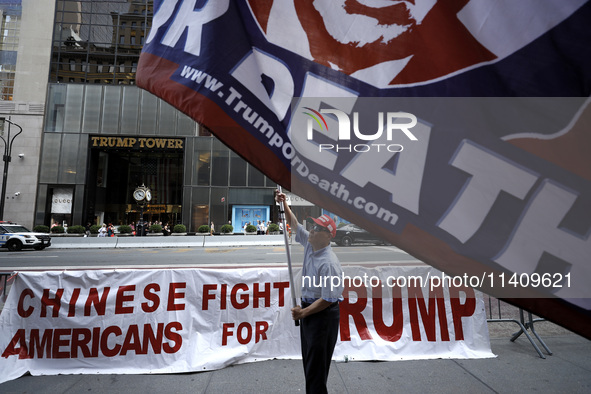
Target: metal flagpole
x=285, y=238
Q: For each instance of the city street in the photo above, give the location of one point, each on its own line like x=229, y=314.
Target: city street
x=240, y=256
x=237, y=256
x=215, y=257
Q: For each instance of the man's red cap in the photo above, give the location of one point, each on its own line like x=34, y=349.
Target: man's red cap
x=326, y=221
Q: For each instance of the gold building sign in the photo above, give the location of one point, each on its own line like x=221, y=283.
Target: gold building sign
x=137, y=143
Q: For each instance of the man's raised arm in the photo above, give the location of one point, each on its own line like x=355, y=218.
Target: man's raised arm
x=291, y=219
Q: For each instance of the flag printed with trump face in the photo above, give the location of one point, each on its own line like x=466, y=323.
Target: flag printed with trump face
x=457, y=130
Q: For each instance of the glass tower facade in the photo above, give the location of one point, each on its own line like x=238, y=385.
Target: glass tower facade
x=103, y=136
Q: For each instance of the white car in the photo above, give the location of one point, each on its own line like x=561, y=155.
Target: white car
x=15, y=237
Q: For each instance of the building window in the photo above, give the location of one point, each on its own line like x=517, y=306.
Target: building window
x=98, y=32
x=219, y=164
x=237, y=170
x=10, y=15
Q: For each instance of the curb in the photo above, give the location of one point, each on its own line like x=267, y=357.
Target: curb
x=189, y=241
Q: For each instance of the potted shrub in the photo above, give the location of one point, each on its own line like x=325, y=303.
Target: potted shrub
x=41, y=228
x=251, y=229
x=94, y=229
x=155, y=229
x=76, y=231
x=227, y=229
x=179, y=229
x=273, y=228
x=203, y=229
x=57, y=230
x=124, y=230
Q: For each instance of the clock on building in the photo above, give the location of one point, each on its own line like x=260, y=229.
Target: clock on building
x=142, y=194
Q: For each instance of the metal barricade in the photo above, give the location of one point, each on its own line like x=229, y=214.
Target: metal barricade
x=5, y=282
x=523, y=323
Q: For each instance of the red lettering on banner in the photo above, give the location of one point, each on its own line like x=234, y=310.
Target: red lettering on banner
x=243, y=297
x=121, y=298
x=240, y=297
x=36, y=346
x=21, y=301
x=282, y=287
x=150, y=295
x=265, y=294
x=388, y=333
x=82, y=342
x=93, y=299
x=243, y=340
x=244, y=332
x=354, y=310
x=224, y=297
x=132, y=341
x=173, y=295
x=12, y=349
x=58, y=342
x=261, y=331
x=96, y=340
x=459, y=310
x=207, y=296
x=226, y=332
x=80, y=339
x=420, y=311
x=155, y=341
x=105, y=338
x=436, y=307
x=55, y=302
x=98, y=299
x=72, y=303
x=173, y=336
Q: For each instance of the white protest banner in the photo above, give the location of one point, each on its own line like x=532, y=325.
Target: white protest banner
x=168, y=321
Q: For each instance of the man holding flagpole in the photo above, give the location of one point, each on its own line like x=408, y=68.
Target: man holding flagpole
x=319, y=312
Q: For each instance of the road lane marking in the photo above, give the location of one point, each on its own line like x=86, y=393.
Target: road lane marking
x=28, y=257
x=210, y=250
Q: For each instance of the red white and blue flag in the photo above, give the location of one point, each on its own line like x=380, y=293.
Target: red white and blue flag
x=456, y=129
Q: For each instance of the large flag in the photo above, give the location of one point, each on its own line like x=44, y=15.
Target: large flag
x=457, y=129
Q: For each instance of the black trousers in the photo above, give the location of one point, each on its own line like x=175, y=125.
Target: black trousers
x=319, y=336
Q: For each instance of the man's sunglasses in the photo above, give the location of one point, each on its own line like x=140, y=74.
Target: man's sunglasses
x=317, y=228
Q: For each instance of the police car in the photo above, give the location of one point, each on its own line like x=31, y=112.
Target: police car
x=15, y=237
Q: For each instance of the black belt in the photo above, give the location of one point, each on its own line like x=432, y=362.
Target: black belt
x=306, y=304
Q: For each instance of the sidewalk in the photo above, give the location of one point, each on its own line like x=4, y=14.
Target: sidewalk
x=517, y=368
x=171, y=241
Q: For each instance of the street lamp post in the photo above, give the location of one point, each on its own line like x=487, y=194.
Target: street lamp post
x=6, y=158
